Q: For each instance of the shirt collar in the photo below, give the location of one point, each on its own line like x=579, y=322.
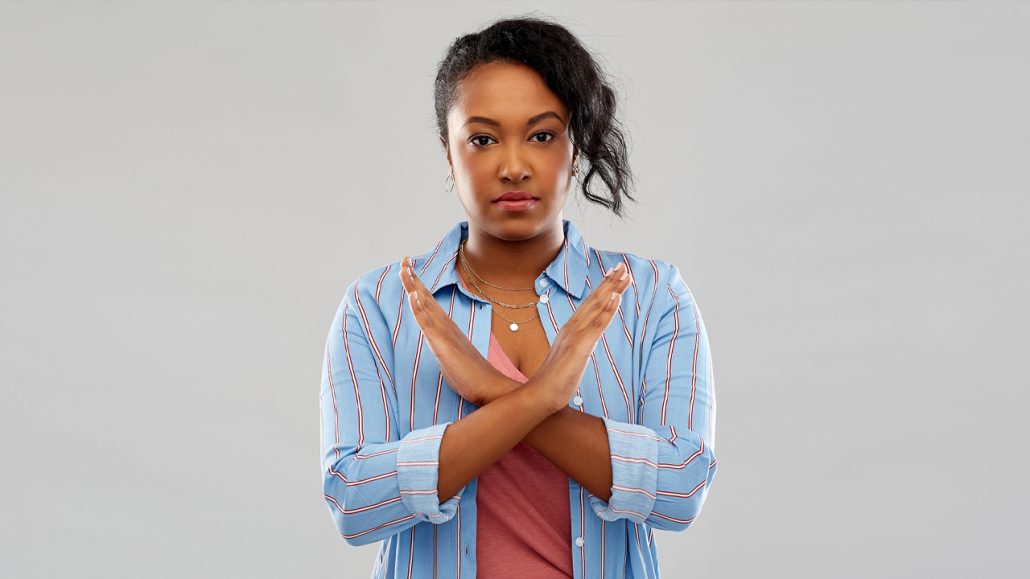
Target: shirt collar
x=568, y=269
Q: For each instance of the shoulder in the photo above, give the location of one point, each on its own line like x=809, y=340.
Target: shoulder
x=374, y=286
x=381, y=286
x=653, y=276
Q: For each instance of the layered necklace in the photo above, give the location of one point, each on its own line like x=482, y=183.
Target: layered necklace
x=473, y=276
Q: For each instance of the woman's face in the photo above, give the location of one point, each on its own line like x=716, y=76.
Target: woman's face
x=509, y=132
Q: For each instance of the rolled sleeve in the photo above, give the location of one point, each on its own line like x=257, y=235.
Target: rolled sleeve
x=634, y=455
x=663, y=466
x=418, y=473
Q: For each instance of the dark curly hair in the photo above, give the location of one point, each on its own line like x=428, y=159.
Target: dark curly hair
x=570, y=72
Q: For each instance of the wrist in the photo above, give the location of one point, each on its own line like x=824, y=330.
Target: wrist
x=496, y=388
x=543, y=392
x=535, y=400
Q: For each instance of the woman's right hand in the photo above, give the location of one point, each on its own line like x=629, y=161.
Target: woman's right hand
x=561, y=372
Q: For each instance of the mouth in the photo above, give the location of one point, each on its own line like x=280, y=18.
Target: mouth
x=516, y=196
x=516, y=205
x=516, y=201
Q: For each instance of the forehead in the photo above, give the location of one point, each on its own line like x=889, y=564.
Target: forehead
x=509, y=93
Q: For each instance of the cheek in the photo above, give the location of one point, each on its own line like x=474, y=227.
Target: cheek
x=475, y=174
x=469, y=166
x=559, y=172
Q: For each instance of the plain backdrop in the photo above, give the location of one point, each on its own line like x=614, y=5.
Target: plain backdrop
x=187, y=189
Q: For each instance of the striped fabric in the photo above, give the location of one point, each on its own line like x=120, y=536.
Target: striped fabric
x=385, y=405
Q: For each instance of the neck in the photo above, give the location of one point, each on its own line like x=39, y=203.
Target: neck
x=512, y=263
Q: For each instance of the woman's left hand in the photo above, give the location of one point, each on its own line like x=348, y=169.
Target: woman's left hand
x=469, y=374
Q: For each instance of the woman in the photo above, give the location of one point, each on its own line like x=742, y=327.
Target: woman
x=514, y=402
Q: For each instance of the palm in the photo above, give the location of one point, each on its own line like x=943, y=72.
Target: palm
x=466, y=371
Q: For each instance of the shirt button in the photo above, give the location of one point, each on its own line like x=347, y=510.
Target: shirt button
x=578, y=400
x=579, y=541
x=544, y=299
x=544, y=283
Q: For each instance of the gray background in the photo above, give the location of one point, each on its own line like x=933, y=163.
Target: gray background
x=188, y=188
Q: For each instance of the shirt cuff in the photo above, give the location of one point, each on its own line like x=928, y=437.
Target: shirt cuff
x=634, y=455
x=418, y=469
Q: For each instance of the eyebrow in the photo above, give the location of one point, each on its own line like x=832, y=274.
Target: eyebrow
x=532, y=120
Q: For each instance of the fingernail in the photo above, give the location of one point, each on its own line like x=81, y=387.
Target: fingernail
x=625, y=274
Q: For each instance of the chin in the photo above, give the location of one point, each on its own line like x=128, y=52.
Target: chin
x=525, y=226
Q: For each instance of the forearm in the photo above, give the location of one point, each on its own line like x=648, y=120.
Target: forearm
x=574, y=441
x=475, y=442
x=577, y=443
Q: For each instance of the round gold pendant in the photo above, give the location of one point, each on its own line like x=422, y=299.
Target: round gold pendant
x=513, y=327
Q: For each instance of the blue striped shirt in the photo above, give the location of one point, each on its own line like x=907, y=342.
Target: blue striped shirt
x=384, y=406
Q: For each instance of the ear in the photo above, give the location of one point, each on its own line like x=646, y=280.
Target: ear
x=447, y=150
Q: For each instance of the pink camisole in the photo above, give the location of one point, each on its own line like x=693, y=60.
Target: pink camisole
x=523, y=526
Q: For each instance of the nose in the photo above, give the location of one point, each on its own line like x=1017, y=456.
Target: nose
x=513, y=167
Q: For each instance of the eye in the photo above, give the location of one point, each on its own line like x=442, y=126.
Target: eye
x=475, y=138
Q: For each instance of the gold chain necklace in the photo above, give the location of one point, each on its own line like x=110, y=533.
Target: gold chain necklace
x=465, y=266
x=468, y=268
x=513, y=325
x=461, y=251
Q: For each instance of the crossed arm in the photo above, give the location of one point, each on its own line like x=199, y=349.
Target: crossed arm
x=575, y=442
x=655, y=470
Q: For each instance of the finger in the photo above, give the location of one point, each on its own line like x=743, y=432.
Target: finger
x=407, y=280
x=613, y=281
x=419, y=289
x=422, y=310
x=602, y=309
x=618, y=278
x=607, y=312
x=429, y=314
x=409, y=287
x=407, y=273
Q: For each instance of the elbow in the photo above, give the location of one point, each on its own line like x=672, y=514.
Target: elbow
x=352, y=527
x=677, y=512
x=673, y=518
x=356, y=538
x=676, y=516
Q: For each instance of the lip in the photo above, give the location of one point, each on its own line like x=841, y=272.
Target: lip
x=515, y=196
x=517, y=205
